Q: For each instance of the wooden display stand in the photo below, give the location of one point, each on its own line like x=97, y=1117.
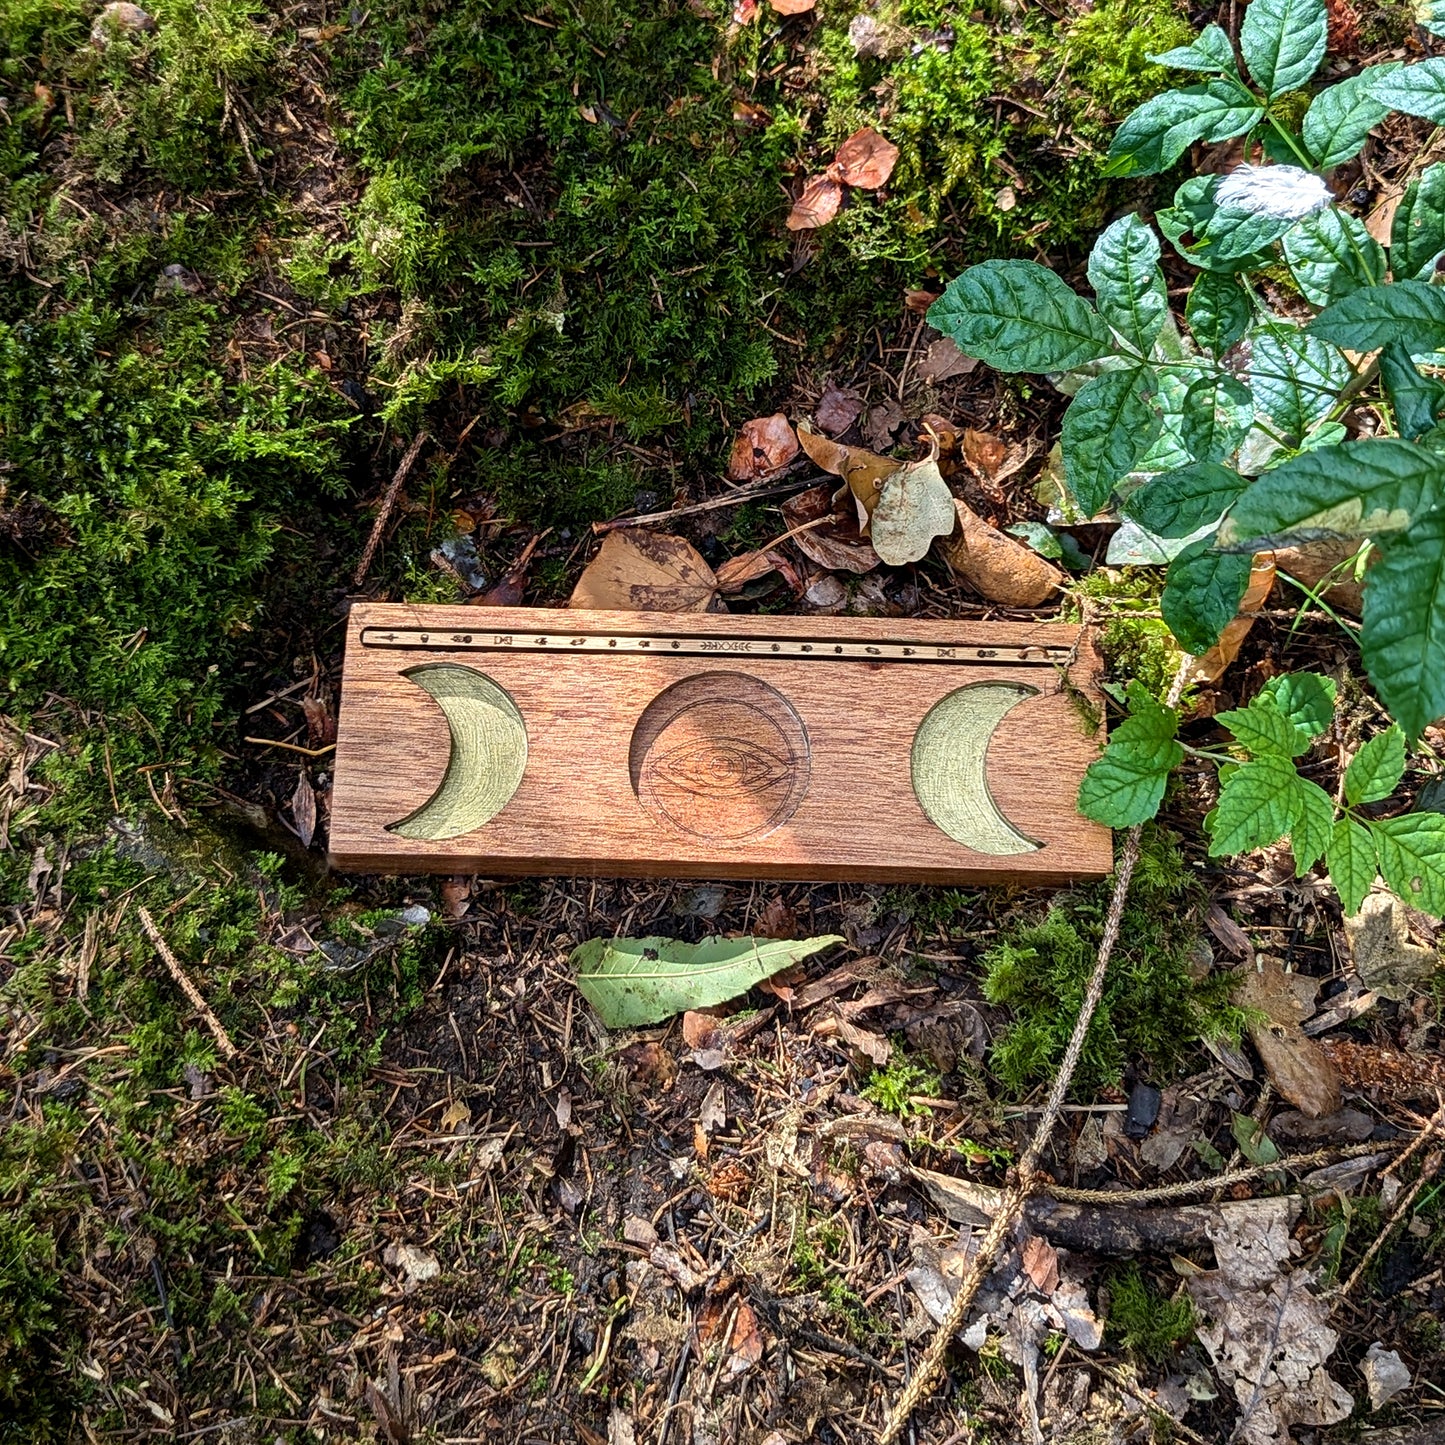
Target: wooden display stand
x=532, y=740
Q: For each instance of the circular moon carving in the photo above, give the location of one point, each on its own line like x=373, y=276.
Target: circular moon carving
x=950, y=767
x=488, y=754
x=721, y=756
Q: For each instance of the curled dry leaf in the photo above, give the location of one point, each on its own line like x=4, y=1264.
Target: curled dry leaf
x=837, y=544
x=737, y=572
x=764, y=446
x=864, y=160
x=303, y=810
x=640, y=571
x=1329, y=560
x=863, y=470
x=992, y=459
x=996, y=566
x=817, y=205
x=914, y=506
x=1211, y=666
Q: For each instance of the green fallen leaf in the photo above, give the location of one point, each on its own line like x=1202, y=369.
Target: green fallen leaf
x=632, y=982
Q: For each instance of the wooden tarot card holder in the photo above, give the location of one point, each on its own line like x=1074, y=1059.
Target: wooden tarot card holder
x=529, y=740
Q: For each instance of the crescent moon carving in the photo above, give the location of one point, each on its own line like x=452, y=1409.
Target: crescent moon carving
x=950, y=757
x=488, y=756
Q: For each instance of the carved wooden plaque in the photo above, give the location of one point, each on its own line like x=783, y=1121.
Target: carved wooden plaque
x=528, y=740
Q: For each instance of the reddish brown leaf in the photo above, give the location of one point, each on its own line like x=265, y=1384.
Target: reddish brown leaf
x=837, y=545
x=737, y=572
x=864, y=160
x=817, y=205
x=699, y=1028
x=747, y=1337
x=837, y=410
x=456, y=896
x=745, y=11
x=944, y=360
x=793, y=7
x=764, y=446
x=320, y=723
x=508, y=592
x=746, y=113
x=919, y=301
x=777, y=920
x=1041, y=1264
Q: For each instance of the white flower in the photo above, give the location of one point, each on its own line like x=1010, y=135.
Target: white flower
x=1284, y=191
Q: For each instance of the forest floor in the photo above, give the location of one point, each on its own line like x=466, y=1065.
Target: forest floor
x=407, y=1188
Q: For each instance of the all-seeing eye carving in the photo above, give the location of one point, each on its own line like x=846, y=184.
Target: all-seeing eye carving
x=721, y=756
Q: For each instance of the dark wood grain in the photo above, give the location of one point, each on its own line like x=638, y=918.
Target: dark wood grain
x=719, y=765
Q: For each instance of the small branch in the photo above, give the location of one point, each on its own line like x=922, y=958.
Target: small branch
x=387, y=503
x=734, y=499
x=217, y=1028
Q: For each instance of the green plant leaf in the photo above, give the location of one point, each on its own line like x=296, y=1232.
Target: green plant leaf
x=632, y=982
x=1018, y=316
x=1342, y=116
x=1354, y=489
x=1231, y=235
x=1430, y=15
x=1417, y=89
x=1412, y=858
x=1254, y=1143
x=1375, y=771
x=1296, y=377
x=1218, y=412
x=1155, y=135
x=1177, y=504
x=1410, y=312
x=1126, y=784
x=1218, y=311
x=1108, y=426
x=1306, y=699
x=1129, y=286
x=1352, y=862
x=1417, y=234
x=1417, y=400
x=1403, y=637
x=1331, y=255
x=1202, y=591
x=1258, y=805
x=1309, y=835
x=1263, y=729
x=1187, y=220
x=1283, y=42
x=1211, y=52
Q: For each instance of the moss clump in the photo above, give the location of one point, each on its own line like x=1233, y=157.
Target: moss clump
x=1143, y=1322
x=1106, y=53
x=1151, y=1012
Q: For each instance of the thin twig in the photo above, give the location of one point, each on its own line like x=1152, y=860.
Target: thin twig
x=734, y=499
x=1026, y=1179
x=387, y=503
x=217, y=1028
x=292, y=747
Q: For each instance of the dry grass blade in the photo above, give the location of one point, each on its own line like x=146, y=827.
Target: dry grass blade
x=217, y=1028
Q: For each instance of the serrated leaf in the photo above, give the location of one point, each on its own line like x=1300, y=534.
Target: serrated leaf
x=1263, y=730
x=1128, y=284
x=1202, y=592
x=1232, y=235
x=1283, y=42
x=1411, y=849
x=1351, y=860
x=1410, y=312
x=1375, y=771
x=1341, y=117
x=1019, y=316
x=1310, y=834
x=1179, y=503
x=1258, y=805
x=1191, y=215
x=1167, y=453
x=1106, y=428
x=1403, y=637
x=1417, y=234
x=1417, y=400
x=1355, y=489
x=1218, y=311
x=1218, y=411
x=1126, y=785
x=1211, y=52
x=1306, y=699
x=1417, y=89
x=1430, y=15
x=632, y=982
x=1332, y=255
x=1296, y=377
x=1158, y=132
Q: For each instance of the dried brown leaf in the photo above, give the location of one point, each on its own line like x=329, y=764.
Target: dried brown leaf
x=764, y=446
x=303, y=810
x=793, y=7
x=1041, y=1264
x=995, y=565
x=1386, y=958
x=864, y=160
x=640, y=571
x=1296, y=1064
x=862, y=470
x=737, y=572
x=817, y=205
x=884, y=419
x=1328, y=560
x=944, y=360
x=838, y=544
x=838, y=408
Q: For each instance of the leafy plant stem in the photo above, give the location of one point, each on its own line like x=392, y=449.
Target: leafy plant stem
x=1246, y=93
x=1319, y=601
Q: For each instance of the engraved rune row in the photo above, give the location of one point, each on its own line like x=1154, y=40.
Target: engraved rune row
x=822, y=650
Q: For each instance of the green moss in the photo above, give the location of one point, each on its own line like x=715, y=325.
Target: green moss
x=1106, y=52
x=1151, y=1013
x=894, y=1087
x=1143, y=1322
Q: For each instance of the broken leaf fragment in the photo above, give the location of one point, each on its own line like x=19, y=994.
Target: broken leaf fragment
x=640, y=571
x=832, y=538
x=864, y=160
x=914, y=506
x=1296, y=1064
x=817, y=205
x=764, y=446
x=632, y=982
x=864, y=471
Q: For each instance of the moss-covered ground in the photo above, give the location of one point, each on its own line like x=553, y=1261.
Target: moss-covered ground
x=249, y=251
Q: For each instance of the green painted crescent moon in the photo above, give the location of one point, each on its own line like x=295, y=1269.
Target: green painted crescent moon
x=488, y=757
x=950, y=756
